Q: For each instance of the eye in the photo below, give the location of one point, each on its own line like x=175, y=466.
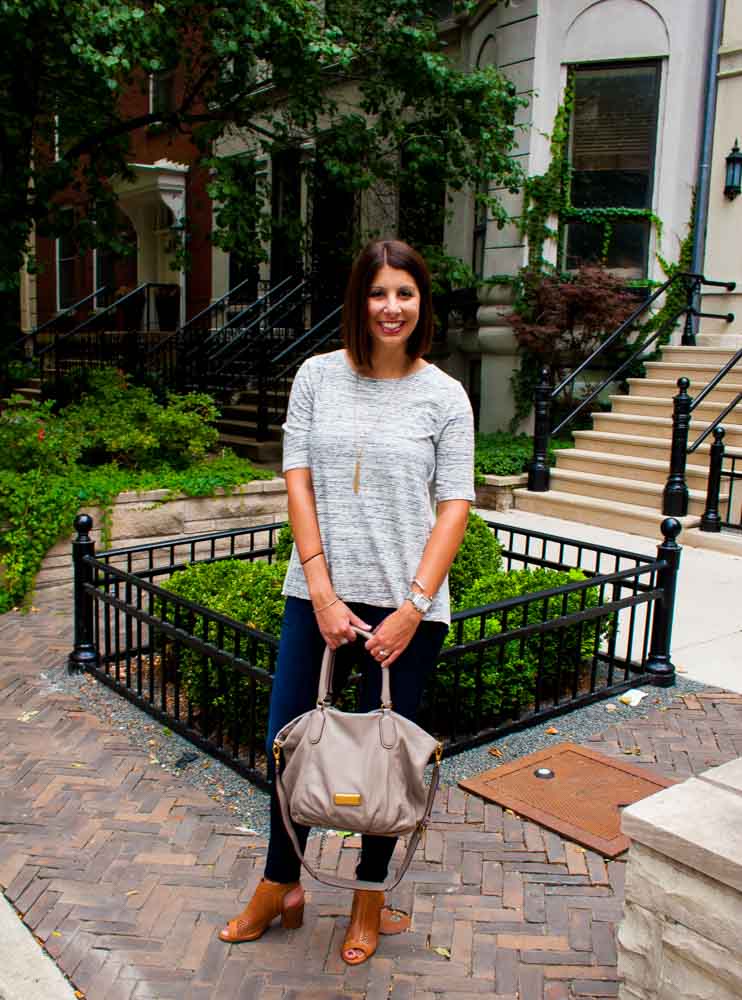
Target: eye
x=376, y=293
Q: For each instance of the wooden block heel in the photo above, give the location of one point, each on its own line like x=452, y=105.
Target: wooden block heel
x=292, y=917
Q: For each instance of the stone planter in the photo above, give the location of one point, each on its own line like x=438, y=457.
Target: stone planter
x=144, y=517
x=497, y=491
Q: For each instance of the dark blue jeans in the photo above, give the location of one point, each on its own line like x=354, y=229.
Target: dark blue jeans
x=295, y=691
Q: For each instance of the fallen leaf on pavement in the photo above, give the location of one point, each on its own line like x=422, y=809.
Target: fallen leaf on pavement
x=495, y=752
x=442, y=951
x=552, y=731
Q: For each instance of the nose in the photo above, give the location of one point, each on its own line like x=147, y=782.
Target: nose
x=391, y=305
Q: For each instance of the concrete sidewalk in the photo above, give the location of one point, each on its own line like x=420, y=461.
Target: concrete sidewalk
x=124, y=873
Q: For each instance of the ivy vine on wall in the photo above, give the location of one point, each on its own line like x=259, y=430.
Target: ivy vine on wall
x=547, y=197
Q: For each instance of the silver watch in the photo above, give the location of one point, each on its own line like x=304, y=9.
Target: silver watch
x=419, y=601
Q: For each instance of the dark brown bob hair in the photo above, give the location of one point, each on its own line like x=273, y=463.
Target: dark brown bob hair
x=372, y=258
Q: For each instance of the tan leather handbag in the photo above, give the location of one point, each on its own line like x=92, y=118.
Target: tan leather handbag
x=363, y=772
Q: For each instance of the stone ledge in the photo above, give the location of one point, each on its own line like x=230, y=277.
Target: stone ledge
x=497, y=491
x=668, y=822
x=156, y=515
x=277, y=485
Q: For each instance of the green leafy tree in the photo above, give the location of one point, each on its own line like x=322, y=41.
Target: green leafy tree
x=351, y=81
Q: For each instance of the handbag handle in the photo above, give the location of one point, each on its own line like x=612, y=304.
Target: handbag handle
x=337, y=881
x=328, y=663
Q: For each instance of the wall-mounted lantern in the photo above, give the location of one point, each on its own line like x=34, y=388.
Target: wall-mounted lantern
x=733, y=185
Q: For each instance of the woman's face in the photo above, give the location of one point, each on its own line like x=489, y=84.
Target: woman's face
x=393, y=307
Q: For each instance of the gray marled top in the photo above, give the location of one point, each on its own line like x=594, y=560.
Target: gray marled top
x=417, y=439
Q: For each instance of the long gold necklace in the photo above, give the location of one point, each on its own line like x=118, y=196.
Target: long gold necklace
x=358, y=448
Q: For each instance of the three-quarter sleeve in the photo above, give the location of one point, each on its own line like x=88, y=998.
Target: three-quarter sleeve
x=454, y=473
x=296, y=429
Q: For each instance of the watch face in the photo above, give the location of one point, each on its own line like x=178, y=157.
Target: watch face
x=421, y=602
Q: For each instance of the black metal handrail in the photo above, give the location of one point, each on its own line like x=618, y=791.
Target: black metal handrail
x=306, y=344
x=236, y=347
x=32, y=334
x=676, y=496
x=94, y=320
x=195, y=323
x=538, y=469
x=275, y=374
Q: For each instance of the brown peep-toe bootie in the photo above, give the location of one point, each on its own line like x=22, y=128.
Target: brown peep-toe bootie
x=266, y=904
x=363, y=931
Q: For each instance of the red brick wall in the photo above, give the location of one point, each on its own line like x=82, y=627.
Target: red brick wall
x=145, y=148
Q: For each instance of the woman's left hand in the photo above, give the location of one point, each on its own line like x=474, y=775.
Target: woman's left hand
x=392, y=637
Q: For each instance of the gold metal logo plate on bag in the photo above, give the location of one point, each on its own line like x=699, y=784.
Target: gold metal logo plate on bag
x=347, y=799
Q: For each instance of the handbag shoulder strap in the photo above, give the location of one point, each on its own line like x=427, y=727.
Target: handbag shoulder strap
x=338, y=881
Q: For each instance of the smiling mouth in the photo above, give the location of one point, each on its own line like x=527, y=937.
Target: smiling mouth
x=392, y=327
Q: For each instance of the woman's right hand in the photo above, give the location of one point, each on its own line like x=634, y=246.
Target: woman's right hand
x=335, y=624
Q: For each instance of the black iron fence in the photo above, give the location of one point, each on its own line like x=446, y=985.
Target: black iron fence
x=676, y=495
x=730, y=477
x=506, y=665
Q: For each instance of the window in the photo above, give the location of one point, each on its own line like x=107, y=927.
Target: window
x=612, y=146
x=66, y=277
x=162, y=92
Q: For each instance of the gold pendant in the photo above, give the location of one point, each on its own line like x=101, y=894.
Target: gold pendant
x=357, y=477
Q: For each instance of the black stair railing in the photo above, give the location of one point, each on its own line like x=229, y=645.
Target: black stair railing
x=675, y=496
x=168, y=357
x=27, y=346
x=232, y=360
x=117, y=335
x=276, y=372
x=546, y=394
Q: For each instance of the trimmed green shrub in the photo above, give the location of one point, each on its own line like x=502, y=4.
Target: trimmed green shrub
x=249, y=592
x=479, y=553
x=284, y=543
x=509, y=671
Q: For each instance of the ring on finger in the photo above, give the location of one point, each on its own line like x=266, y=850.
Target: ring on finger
x=383, y=653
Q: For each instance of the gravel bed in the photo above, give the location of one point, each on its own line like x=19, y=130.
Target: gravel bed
x=250, y=806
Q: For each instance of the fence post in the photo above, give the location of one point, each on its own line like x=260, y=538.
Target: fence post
x=675, y=496
x=538, y=469
x=84, y=654
x=659, y=665
x=692, y=288
x=711, y=520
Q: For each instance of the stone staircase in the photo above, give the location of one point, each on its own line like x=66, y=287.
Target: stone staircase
x=237, y=427
x=616, y=473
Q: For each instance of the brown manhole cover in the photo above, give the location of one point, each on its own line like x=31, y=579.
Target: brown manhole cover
x=576, y=792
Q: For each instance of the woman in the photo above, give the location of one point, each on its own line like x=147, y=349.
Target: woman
x=374, y=438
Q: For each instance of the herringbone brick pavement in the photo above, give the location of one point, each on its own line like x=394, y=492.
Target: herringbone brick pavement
x=124, y=873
